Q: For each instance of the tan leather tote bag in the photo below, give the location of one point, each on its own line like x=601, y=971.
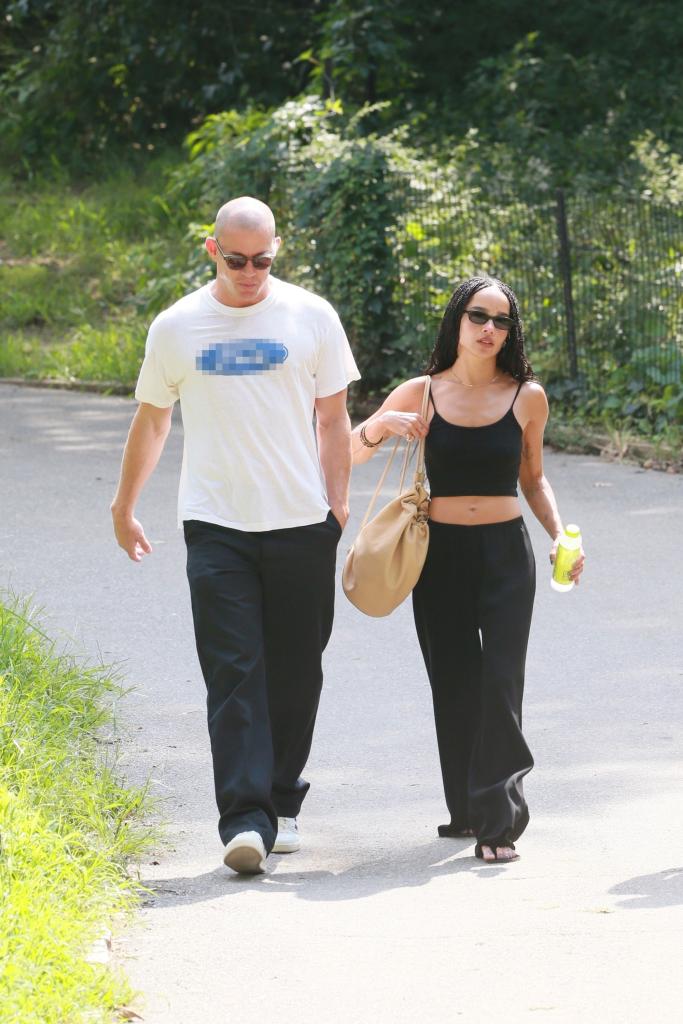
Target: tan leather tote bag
x=387, y=556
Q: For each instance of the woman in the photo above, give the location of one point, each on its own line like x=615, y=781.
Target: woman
x=473, y=601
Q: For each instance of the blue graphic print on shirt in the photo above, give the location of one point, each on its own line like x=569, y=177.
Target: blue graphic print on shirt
x=236, y=358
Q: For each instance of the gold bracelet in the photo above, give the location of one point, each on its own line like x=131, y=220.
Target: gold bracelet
x=364, y=439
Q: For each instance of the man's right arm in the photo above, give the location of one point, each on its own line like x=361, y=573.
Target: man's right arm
x=146, y=439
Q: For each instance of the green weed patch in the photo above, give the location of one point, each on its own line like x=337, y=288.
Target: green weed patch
x=84, y=271
x=68, y=828
x=107, y=354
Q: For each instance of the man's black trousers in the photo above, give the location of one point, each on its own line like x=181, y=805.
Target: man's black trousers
x=262, y=605
x=472, y=607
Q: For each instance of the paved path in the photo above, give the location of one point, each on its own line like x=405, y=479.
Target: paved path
x=377, y=920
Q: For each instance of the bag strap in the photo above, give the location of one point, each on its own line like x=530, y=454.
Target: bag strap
x=380, y=482
x=419, y=466
x=420, y=462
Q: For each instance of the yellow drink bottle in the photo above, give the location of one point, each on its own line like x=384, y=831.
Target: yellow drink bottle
x=567, y=553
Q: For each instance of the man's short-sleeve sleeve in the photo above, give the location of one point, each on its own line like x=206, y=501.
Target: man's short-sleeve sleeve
x=155, y=382
x=336, y=366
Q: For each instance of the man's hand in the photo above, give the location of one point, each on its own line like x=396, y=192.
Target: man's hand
x=146, y=438
x=334, y=450
x=131, y=536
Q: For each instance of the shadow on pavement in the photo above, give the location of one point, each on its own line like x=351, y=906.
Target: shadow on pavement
x=418, y=867
x=651, y=892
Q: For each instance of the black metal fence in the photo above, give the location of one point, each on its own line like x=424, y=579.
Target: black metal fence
x=598, y=278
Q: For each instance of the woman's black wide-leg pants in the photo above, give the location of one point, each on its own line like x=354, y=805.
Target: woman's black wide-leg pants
x=472, y=607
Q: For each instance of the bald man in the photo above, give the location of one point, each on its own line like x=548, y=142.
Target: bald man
x=263, y=501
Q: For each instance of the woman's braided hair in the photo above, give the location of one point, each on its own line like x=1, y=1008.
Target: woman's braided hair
x=511, y=358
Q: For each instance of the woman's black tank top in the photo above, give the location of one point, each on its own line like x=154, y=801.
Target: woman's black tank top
x=473, y=460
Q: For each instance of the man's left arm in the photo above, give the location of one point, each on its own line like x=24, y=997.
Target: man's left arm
x=334, y=450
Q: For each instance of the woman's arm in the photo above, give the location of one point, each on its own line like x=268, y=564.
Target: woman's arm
x=398, y=414
x=535, y=486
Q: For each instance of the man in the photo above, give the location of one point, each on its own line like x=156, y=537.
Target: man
x=251, y=359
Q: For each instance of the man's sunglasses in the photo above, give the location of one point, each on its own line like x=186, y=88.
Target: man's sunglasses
x=478, y=316
x=236, y=261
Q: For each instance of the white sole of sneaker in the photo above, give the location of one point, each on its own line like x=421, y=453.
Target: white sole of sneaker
x=283, y=847
x=246, y=854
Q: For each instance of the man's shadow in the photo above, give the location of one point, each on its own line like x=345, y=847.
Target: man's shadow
x=414, y=867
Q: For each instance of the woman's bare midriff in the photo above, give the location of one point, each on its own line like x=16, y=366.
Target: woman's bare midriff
x=474, y=510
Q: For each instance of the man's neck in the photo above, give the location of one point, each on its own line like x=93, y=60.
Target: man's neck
x=223, y=295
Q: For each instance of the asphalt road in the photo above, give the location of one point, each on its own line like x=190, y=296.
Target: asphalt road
x=376, y=919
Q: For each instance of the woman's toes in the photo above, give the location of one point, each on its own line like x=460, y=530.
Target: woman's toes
x=506, y=853
x=488, y=854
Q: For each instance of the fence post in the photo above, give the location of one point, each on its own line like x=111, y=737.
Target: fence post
x=566, y=271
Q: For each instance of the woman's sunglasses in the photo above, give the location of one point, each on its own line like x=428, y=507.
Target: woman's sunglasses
x=236, y=261
x=478, y=316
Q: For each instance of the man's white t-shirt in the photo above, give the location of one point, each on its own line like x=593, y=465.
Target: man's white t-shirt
x=247, y=379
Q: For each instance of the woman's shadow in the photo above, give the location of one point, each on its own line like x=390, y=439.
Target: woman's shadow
x=651, y=892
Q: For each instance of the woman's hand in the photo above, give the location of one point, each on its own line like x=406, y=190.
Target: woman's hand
x=404, y=424
x=396, y=416
x=577, y=568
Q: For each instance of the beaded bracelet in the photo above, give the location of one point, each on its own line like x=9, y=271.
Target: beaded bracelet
x=364, y=439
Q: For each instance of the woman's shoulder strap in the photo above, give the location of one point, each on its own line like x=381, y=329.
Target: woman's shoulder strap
x=519, y=388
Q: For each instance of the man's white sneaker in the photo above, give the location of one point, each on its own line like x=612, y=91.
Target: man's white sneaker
x=246, y=854
x=288, y=839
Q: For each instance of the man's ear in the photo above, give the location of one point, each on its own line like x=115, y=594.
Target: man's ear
x=277, y=242
x=210, y=246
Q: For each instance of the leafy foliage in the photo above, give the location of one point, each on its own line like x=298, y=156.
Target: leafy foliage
x=347, y=214
x=385, y=234
x=570, y=86
x=83, y=75
x=363, y=50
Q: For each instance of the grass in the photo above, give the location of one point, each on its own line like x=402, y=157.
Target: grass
x=68, y=826
x=109, y=353
x=84, y=271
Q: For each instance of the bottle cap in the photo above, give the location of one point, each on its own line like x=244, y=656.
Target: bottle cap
x=572, y=530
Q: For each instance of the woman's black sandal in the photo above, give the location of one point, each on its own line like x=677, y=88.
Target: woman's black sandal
x=493, y=846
